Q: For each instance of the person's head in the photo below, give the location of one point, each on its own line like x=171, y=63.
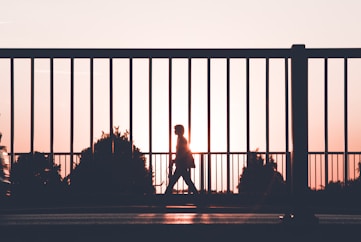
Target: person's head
x=179, y=129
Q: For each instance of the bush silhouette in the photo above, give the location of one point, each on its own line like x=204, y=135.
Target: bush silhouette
x=260, y=177
x=352, y=186
x=35, y=175
x=112, y=172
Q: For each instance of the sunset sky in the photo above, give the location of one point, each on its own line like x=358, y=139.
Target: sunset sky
x=176, y=24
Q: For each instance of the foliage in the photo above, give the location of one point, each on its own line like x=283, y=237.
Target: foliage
x=112, y=168
x=35, y=174
x=351, y=186
x=260, y=177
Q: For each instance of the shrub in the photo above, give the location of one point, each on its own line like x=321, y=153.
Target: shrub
x=113, y=168
x=260, y=177
x=34, y=174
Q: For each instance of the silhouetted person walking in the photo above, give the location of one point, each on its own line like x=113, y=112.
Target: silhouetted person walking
x=184, y=162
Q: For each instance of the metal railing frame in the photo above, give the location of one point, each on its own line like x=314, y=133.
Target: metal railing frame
x=297, y=165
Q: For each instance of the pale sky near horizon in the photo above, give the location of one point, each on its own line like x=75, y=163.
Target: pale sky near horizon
x=178, y=24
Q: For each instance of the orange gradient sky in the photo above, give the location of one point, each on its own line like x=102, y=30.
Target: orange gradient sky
x=177, y=24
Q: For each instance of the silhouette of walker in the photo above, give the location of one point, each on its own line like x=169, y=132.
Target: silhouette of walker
x=184, y=162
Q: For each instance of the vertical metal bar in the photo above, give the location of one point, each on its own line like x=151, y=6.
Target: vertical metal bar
x=332, y=167
x=111, y=96
x=353, y=167
x=189, y=102
x=150, y=118
x=232, y=174
x=288, y=165
x=12, y=104
x=51, y=109
x=221, y=173
x=202, y=173
x=267, y=110
x=209, y=123
x=65, y=162
x=189, y=99
x=71, y=114
x=247, y=106
x=161, y=167
x=326, y=120
x=228, y=128
x=111, y=133
x=315, y=170
x=92, y=105
x=91, y=111
x=131, y=104
x=338, y=169
x=170, y=112
x=321, y=169
x=346, y=119
x=32, y=106
x=216, y=173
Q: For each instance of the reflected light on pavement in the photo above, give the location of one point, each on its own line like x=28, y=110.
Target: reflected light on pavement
x=179, y=218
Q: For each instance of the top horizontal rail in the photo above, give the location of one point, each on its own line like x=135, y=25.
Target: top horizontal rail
x=144, y=53
x=177, y=53
x=334, y=53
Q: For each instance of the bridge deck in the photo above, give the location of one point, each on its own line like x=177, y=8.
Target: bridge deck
x=175, y=223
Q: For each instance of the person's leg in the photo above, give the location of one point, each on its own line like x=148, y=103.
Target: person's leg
x=172, y=181
x=187, y=178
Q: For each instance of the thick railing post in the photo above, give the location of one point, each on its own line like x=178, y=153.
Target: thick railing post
x=299, y=116
x=299, y=119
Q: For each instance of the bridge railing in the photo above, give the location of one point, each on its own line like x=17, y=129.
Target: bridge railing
x=301, y=165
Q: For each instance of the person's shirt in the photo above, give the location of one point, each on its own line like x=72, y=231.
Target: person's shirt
x=181, y=150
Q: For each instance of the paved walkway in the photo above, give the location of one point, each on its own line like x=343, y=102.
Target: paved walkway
x=171, y=223
x=174, y=226
x=187, y=218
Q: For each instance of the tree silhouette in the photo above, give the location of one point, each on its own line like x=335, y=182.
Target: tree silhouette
x=35, y=175
x=260, y=177
x=113, y=169
x=350, y=186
